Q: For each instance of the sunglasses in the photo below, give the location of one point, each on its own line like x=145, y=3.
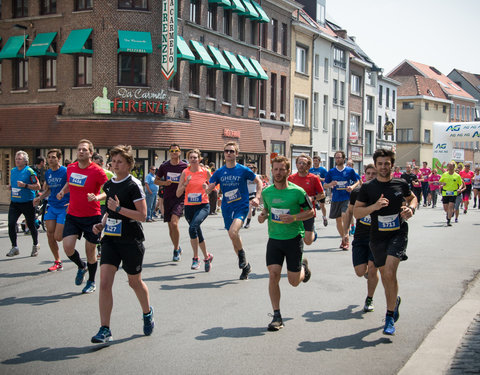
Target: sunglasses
x=229, y=151
x=174, y=150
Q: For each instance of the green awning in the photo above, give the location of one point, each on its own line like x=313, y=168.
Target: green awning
x=75, y=42
x=134, y=41
x=225, y=3
x=250, y=10
x=259, y=69
x=237, y=68
x=221, y=63
x=204, y=57
x=183, y=50
x=236, y=6
x=250, y=70
x=262, y=15
x=41, y=44
x=12, y=47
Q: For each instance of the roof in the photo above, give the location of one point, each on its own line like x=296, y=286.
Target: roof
x=472, y=78
x=420, y=86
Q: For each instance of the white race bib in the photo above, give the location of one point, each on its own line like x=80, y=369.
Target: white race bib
x=174, y=177
x=367, y=220
x=388, y=223
x=232, y=196
x=194, y=198
x=113, y=227
x=77, y=179
x=276, y=212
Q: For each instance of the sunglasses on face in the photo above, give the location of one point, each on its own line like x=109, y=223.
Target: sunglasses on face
x=174, y=150
x=229, y=151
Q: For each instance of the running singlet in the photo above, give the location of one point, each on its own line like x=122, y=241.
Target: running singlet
x=452, y=184
x=386, y=221
x=476, y=181
x=433, y=181
x=344, y=178
x=26, y=175
x=170, y=172
x=362, y=229
x=118, y=227
x=285, y=201
x=467, y=177
x=82, y=182
x=195, y=192
x=233, y=183
x=56, y=180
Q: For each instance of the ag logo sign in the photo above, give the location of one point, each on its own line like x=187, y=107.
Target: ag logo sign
x=441, y=146
x=453, y=128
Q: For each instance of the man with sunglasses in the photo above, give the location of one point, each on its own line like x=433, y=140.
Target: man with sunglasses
x=168, y=176
x=232, y=178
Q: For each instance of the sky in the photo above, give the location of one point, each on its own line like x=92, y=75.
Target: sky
x=440, y=33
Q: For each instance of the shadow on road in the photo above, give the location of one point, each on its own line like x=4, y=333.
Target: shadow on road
x=61, y=354
x=21, y=274
x=37, y=300
x=355, y=341
x=343, y=314
x=234, y=333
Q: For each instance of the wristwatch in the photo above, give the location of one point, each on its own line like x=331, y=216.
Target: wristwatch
x=117, y=210
x=413, y=209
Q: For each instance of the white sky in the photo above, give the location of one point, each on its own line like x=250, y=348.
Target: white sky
x=441, y=33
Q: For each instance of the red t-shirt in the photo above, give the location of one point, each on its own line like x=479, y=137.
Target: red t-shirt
x=467, y=177
x=81, y=182
x=310, y=183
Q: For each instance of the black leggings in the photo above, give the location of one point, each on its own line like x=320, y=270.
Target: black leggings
x=16, y=209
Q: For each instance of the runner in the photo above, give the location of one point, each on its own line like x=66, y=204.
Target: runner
x=425, y=171
x=476, y=188
x=361, y=180
x=233, y=178
x=467, y=177
x=252, y=193
x=23, y=184
x=434, y=186
x=168, y=176
x=321, y=172
x=313, y=187
x=286, y=206
x=55, y=180
x=409, y=176
x=396, y=173
x=451, y=182
x=342, y=180
x=362, y=256
x=123, y=241
x=417, y=185
x=384, y=200
x=192, y=185
x=84, y=181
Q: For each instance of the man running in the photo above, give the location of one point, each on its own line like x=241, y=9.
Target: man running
x=23, y=184
x=409, y=176
x=321, y=172
x=342, y=180
x=232, y=178
x=84, y=181
x=384, y=198
x=313, y=187
x=362, y=256
x=55, y=180
x=425, y=171
x=451, y=182
x=168, y=176
x=286, y=205
x=467, y=177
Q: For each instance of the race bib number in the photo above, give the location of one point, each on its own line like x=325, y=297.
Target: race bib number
x=450, y=193
x=341, y=185
x=77, y=179
x=232, y=196
x=367, y=220
x=467, y=180
x=276, y=212
x=388, y=223
x=16, y=192
x=194, y=198
x=113, y=227
x=174, y=177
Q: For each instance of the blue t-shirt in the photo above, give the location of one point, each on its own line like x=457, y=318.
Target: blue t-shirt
x=320, y=171
x=150, y=181
x=26, y=175
x=344, y=178
x=56, y=180
x=233, y=183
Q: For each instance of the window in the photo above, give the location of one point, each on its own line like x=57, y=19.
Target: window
x=212, y=16
x=355, y=84
x=240, y=90
x=241, y=28
x=195, y=11
x=83, y=5
x=370, y=78
x=341, y=131
x=315, y=110
x=133, y=4
x=370, y=113
x=263, y=95
x=194, y=82
x=320, y=13
x=325, y=70
x=463, y=113
x=211, y=83
x=325, y=112
x=380, y=94
x=274, y=35
x=368, y=142
x=254, y=33
x=284, y=39
x=49, y=72
x=316, y=66
x=468, y=113
x=252, y=93
x=227, y=86
x=407, y=105
x=48, y=7
x=264, y=35
x=227, y=22
x=379, y=127
x=444, y=109
x=278, y=147
x=300, y=106
x=387, y=97
x=342, y=93
x=174, y=83
x=301, y=64
x=458, y=112
x=354, y=126
x=334, y=134
x=20, y=8
x=426, y=136
x=20, y=74
x=339, y=58
x=273, y=92
x=132, y=69
x=452, y=111
x=394, y=99
x=427, y=106
x=405, y=135
x=335, y=91
x=283, y=94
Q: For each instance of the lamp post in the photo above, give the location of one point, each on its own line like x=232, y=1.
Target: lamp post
x=18, y=26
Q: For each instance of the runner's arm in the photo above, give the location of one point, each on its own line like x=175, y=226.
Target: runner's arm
x=65, y=190
x=181, y=185
x=43, y=195
x=139, y=214
x=361, y=209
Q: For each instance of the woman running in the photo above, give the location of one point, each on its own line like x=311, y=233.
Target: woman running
x=417, y=185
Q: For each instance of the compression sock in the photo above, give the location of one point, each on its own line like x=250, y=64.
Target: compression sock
x=242, y=260
x=369, y=300
x=75, y=258
x=390, y=313
x=276, y=313
x=92, y=270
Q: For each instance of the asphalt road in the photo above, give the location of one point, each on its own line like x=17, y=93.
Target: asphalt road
x=213, y=323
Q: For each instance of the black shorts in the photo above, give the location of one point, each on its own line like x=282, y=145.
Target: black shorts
x=309, y=224
x=337, y=209
x=321, y=200
x=449, y=199
x=467, y=192
x=291, y=249
x=82, y=225
x=361, y=252
x=129, y=253
x=395, y=245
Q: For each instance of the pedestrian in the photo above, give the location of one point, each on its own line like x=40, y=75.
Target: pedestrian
x=434, y=186
x=476, y=188
x=151, y=192
x=426, y=172
x=451, y=184
x=467, y=176
x=417, y=185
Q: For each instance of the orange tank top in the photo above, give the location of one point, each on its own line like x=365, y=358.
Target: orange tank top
x=194, y=192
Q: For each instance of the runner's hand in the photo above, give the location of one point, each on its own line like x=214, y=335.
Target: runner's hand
x=91, y=197
x=406, y=213
x=287, y=218
x=262, y=217
x=382, y=202
x=255, y=202
x=60, y=195
x=36, y=201
x=97, y=228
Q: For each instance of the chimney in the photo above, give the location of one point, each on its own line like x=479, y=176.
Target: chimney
x=341, y=33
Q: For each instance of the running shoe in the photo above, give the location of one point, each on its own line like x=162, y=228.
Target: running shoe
x=325, y=221
x=195, y=264
x=464, y=211
x=316, y=235
x=352, y=230
x=208, y=262
x=35, y=249
x=368, y=307
x=308, y=274
x=177, y=255
x=103, y=336
x=246, y=270
x=389, y=328
x=276, y=323
x=13, y=251
x=57, y=266
x=346, y=244
x=456, y=220
x=148, y=323
x=342, y=244
x=89, y=287
x=396, y=312
x=247, y=226
x=80, y=275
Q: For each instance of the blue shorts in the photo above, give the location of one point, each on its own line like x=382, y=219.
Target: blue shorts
x=57, y=214
x=230, y=214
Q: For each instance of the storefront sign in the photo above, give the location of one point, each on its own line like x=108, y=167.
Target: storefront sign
x=388, y=128
x=169, y=38
x=356, y=153
x=132, y=101
x=231, y=133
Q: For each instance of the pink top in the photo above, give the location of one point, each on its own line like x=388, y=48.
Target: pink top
x=397, y=174
x=194, y=192
x=425, y=171
x=433, y=181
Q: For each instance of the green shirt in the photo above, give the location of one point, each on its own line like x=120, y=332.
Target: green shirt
x=453, y=183
x=285, y=201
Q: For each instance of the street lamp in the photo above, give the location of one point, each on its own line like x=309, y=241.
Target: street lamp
x=18, y=26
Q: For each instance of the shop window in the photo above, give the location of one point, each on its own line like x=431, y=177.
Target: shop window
x=240, y=90
x=241, y=28
x=212, y=16
x=227, y=22
x=83, y=70
x=49, y=73
x=212, y=83
x=227, y=87
x=278, y=147
x=194, y=79
x=83, y=5
x=252, y=94
x=20, y=8
x=132, y=69
x=133, y=4
x=20, y=74
x=48, y=7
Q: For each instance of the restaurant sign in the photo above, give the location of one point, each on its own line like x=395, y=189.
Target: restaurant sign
x=132, y=101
